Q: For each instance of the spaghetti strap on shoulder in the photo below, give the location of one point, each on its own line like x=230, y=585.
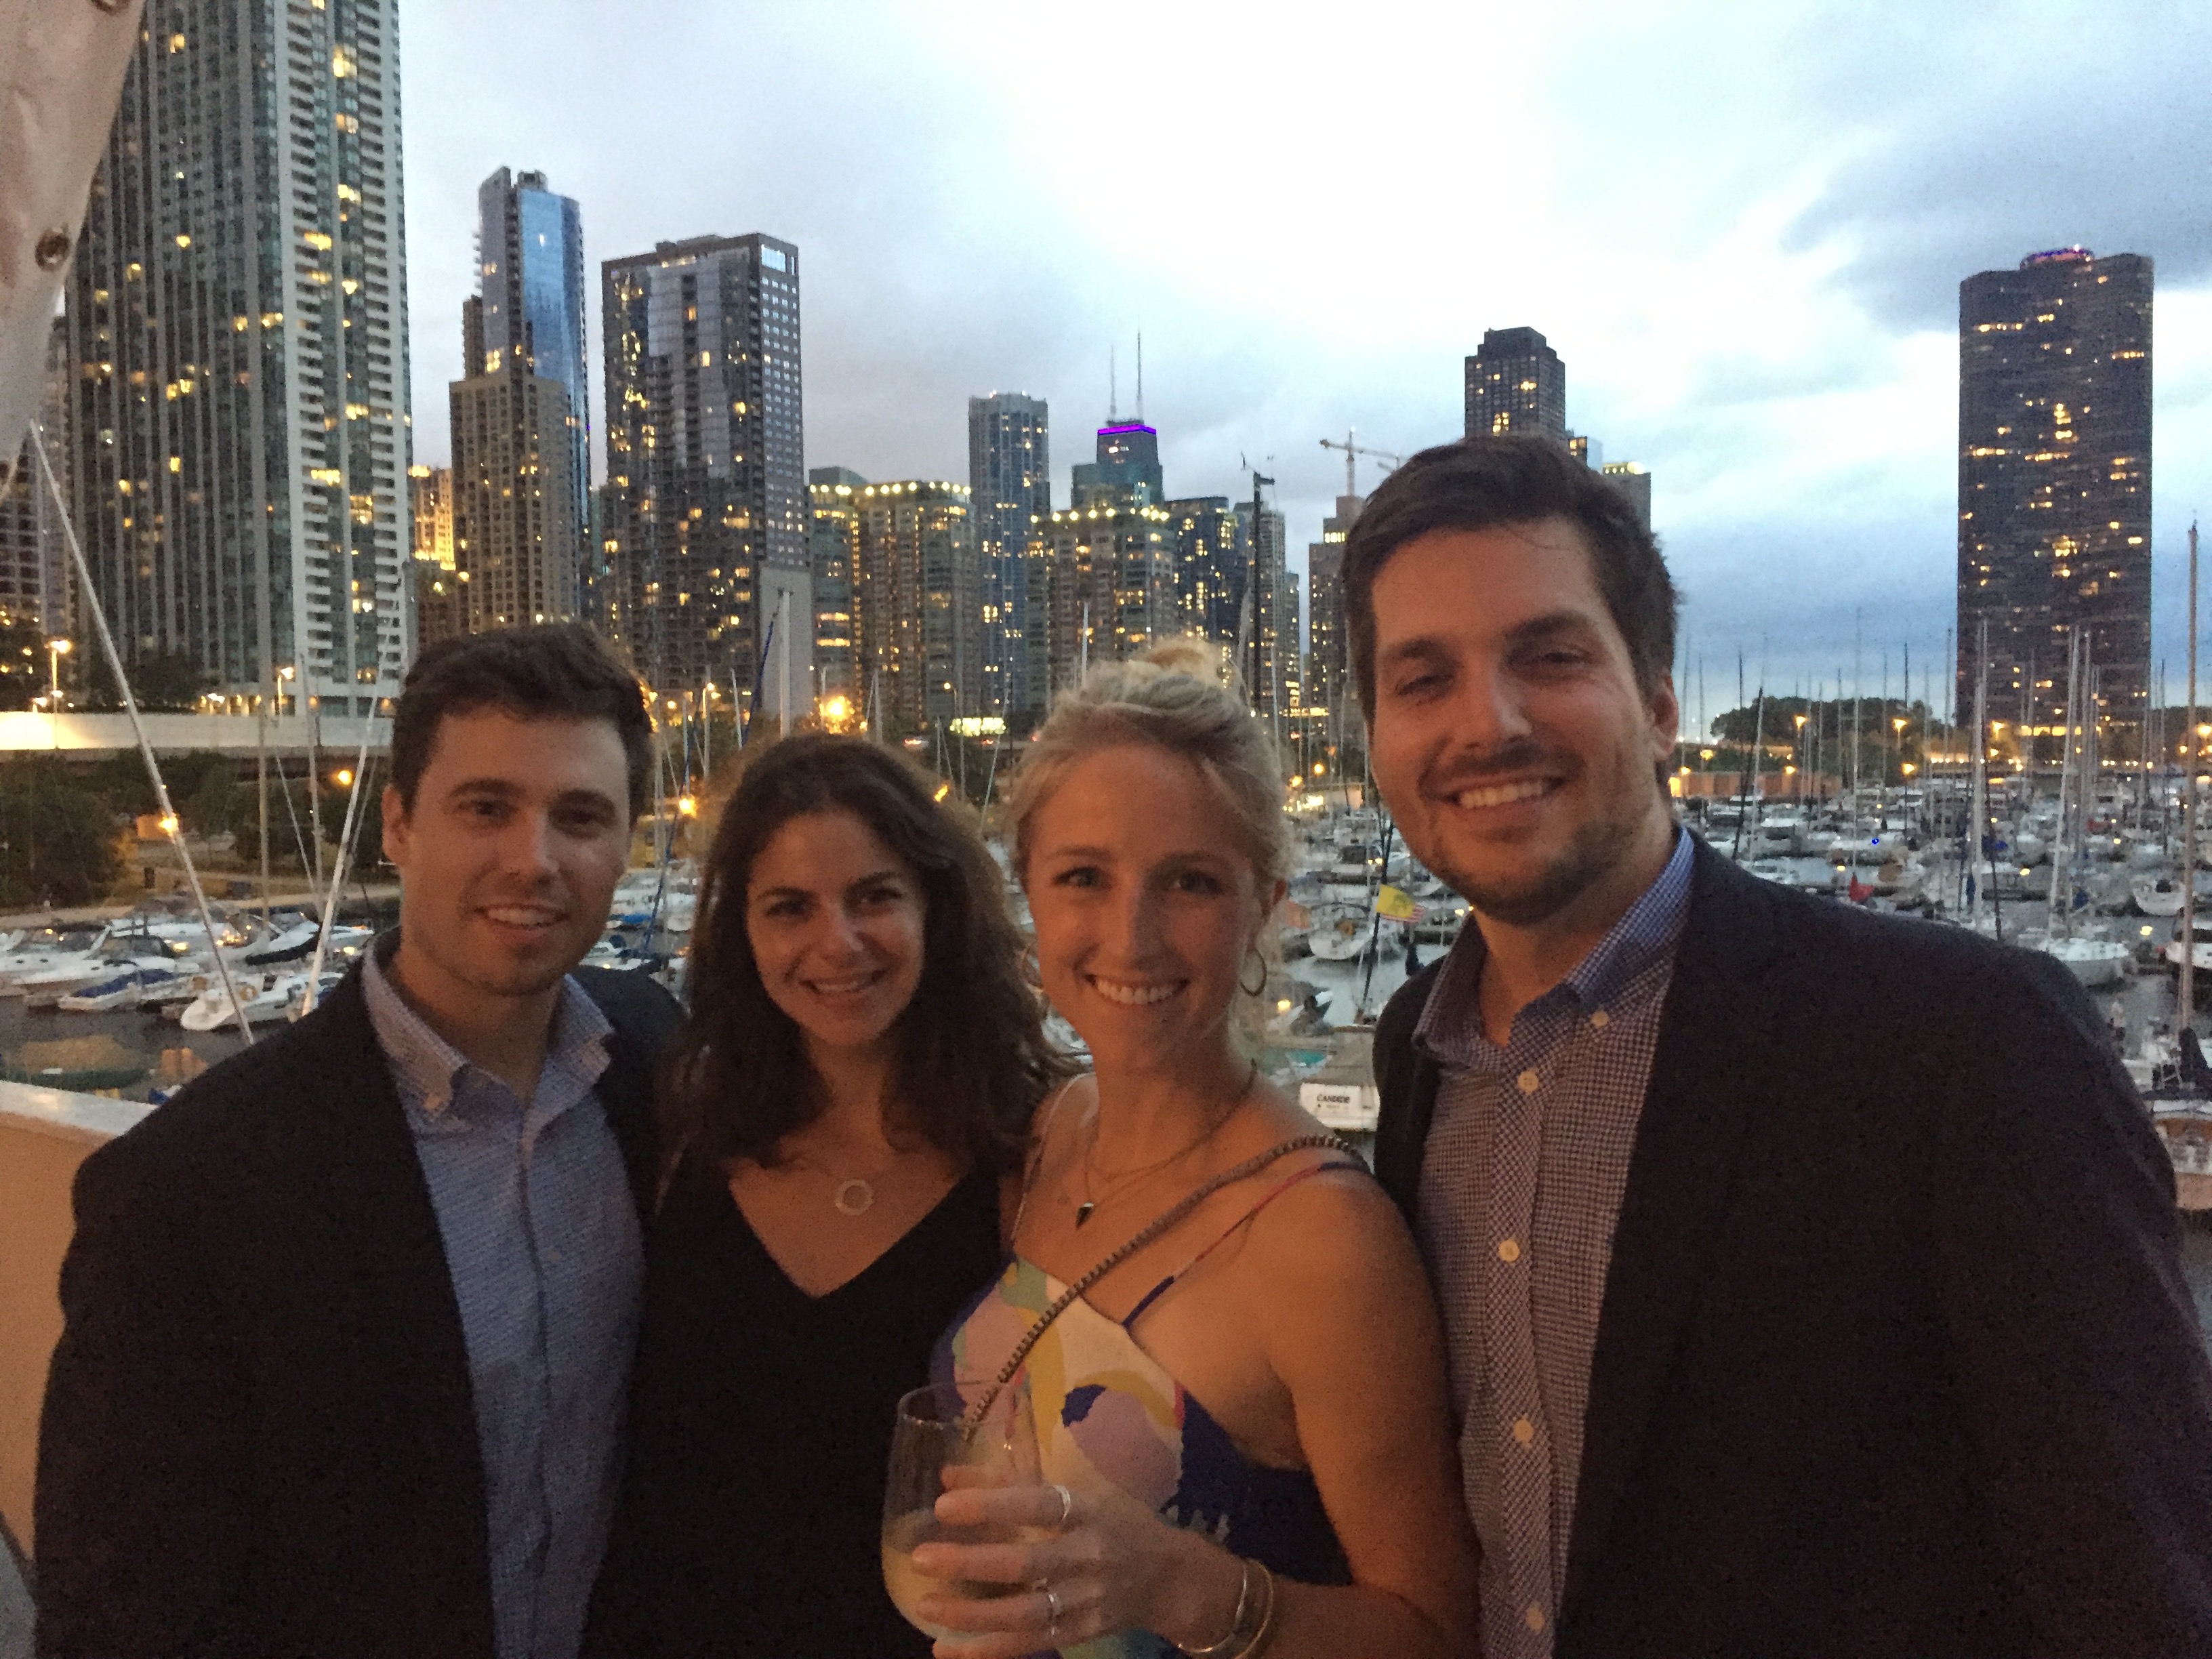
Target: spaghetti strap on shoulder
x=1238, y=1225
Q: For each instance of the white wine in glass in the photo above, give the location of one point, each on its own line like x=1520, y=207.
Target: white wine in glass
x=929, y=1438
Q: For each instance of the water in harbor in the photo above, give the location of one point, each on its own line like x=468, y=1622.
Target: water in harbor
x=2144, y=999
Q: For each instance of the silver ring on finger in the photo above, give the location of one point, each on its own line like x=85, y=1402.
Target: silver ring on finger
x=1066, y=1506
x=1052, y=1613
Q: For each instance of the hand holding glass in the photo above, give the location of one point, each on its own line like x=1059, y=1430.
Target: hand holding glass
x=928, y=1439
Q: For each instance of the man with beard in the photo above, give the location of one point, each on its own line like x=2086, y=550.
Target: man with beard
x=349, y=1321
x=1811, y=1277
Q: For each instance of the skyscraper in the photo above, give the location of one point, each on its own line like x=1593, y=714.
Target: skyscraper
x=529, y=267
x=238, y=318
x=1274, y=627
x=915, y=599
x=834, y=542
x=1101, y=586
x=1329, y=672
x=1128, y=464
x=707, y=514
x=1010, y=484
x=35, y=581
x=1633, y=482
x=1516, y=383
x=518, y=545
x=439, y=610
x=2055, y=480
x=1213, y=546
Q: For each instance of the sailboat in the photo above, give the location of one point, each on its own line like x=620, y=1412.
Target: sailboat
x=2094, y=962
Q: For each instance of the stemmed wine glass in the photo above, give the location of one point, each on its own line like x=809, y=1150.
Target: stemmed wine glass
x=929, y=1438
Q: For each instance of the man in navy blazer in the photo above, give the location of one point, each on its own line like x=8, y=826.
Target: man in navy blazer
x=1811, y=1277
x=348, y=1322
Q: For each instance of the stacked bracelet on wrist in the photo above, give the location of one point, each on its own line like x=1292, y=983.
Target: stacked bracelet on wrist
x=1254, y=1627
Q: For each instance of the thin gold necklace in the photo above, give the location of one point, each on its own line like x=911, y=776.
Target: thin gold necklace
x=1083, y=1210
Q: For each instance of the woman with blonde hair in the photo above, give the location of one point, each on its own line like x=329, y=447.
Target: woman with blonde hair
x=1233, y=1359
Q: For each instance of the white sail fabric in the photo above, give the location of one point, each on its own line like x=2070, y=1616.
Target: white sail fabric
x=61, y=75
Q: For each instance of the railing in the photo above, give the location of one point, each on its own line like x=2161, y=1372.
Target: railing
x=44, y=1135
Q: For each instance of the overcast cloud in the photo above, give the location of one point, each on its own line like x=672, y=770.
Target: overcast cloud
x=1744, y=231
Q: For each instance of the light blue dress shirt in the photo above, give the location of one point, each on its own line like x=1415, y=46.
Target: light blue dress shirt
x=542, y=1239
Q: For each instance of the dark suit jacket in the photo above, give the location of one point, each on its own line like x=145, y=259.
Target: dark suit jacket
x=259, y=1438
x=1895, y=1357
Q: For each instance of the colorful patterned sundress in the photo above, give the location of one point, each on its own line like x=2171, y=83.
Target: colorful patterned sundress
x=1110, y=1416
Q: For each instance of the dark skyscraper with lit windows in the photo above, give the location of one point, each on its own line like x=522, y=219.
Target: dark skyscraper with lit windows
x=1516, y=383
x=238, y=329
x=706, y=510
x=2054, y=481
x=1010, y=487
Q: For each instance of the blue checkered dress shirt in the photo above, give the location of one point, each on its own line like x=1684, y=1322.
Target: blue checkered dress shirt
x=542, y=1239
x=1521, y=1186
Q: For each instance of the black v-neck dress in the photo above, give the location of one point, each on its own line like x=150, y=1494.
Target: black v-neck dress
x=761, y=1423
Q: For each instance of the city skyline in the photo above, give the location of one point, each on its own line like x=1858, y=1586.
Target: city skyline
x=1770, y=326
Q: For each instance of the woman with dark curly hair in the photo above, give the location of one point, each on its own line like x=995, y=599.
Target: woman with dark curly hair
x=854, y=1088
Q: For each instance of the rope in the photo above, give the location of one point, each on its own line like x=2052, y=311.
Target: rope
x=972, y=1418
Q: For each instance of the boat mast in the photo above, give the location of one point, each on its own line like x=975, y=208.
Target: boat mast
x=1979, y=806
x=2188, y=987
x=2056, y=919
x=261, y=783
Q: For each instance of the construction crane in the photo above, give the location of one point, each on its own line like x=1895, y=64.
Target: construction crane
x=1353, y=452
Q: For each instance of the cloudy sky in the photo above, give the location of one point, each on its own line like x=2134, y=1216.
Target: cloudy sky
x=1743, y=226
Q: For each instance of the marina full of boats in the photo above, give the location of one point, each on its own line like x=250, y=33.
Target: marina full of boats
x=2094, y=877
x=152, y=980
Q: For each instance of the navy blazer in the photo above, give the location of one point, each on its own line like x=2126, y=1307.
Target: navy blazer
x=259, y=1436
x=1895, y=1357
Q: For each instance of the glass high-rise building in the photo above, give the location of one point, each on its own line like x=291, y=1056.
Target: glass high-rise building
x=706, y=513
x=1010, y=485
x=1516, y=383
x=2054, y=481
x=530, y=272
x=237, y=322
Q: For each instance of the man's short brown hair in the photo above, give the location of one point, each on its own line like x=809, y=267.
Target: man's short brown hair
x=556, y=670
x=1479, y=484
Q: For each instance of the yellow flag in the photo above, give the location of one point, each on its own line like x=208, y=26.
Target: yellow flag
x=1395, y=903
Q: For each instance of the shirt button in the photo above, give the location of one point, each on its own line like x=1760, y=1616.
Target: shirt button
x=1600, y=1019
x=1529, y=1083
x=1523, y=1430
x=1509, y=1250
x=553, y=1255
x=1534, y=1618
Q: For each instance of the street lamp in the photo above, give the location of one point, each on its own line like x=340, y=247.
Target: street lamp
x=56, y=648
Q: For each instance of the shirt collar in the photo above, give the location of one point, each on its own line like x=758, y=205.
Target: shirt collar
x=1450, y=1024
x=432, y=1066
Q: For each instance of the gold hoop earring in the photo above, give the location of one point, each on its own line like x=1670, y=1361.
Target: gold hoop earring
x=1252, y=951
x=1032, y=971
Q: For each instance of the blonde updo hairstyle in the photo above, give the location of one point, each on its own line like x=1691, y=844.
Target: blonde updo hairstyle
x=1173, y=698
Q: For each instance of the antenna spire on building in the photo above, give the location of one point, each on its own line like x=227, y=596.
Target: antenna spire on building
x=1140, y=376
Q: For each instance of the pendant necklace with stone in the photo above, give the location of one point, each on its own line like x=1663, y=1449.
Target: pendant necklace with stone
x=1084, y=1211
